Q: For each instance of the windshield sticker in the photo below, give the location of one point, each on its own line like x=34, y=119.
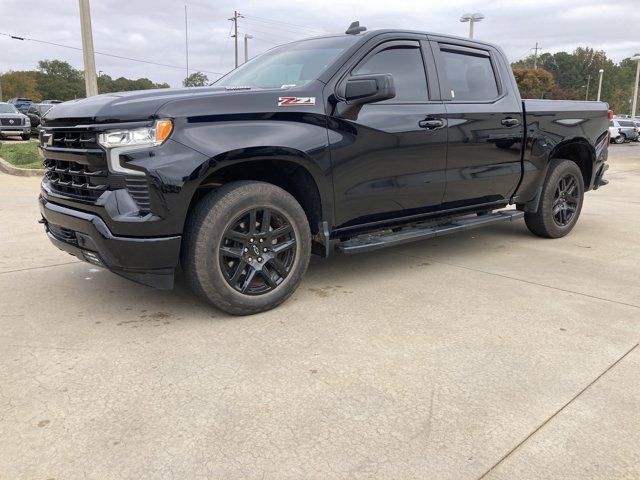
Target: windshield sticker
x=287, y=101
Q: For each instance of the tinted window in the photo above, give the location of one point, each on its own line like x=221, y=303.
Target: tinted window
x=627, y=123
x=405, y=63
x=471, y=76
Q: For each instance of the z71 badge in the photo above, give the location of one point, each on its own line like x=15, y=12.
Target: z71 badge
x=287, y=101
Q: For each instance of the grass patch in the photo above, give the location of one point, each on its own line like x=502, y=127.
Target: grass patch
x=22, y=155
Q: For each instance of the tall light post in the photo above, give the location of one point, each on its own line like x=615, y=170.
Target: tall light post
x=601, y=71
x=246, y=47
x=471, y=18
x=635, y=58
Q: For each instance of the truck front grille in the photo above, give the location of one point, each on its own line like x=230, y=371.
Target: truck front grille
x=76, y=167
x=11, y=122
x=84, y=182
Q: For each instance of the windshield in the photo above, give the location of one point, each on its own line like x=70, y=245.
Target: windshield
x=44, y=108
x=290, y=65
x=7, y=108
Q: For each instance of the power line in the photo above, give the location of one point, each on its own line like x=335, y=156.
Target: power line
x=15, y=37
x=305, y=28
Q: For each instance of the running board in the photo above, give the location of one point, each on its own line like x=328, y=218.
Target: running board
x=375, y=241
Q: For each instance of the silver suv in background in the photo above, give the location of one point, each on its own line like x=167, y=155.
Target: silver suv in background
x=627, y=131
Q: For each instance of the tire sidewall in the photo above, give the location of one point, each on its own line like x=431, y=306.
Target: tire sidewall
x=210, y=235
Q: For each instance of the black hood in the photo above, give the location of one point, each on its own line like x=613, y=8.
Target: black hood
x=140, y=105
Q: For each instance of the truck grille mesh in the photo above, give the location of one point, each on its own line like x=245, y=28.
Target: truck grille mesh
x=76, y=180
x=76, y=167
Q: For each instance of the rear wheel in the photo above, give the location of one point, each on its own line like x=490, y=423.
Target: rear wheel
x=621, y=139
x=246, y=247
x=26, y=136
x=560, y=202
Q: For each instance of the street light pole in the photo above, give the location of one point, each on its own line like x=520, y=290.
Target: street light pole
x=246, y=47
x=601, y=71
x=90, y=80
x=471, y=18
x=636, y=57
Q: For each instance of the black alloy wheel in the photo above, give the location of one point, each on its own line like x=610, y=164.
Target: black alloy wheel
x=565, y=200
x=257, y=251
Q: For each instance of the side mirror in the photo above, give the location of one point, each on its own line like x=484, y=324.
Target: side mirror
x=363, y=89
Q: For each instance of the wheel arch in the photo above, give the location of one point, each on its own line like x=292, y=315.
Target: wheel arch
x=289, y=169
x=580, y=152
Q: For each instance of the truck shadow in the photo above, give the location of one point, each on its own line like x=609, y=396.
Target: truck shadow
x=325, y=277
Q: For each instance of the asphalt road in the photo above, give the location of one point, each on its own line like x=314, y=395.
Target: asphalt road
x=487, y=354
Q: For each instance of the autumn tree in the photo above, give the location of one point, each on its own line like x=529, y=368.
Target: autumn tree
x=533, y=83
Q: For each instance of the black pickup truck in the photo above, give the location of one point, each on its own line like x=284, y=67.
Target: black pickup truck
x=344, y=143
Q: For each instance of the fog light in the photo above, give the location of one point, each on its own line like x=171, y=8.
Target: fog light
x=92, y=257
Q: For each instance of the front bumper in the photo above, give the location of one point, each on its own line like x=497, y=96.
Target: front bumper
x=22, y=130
x=151, y=261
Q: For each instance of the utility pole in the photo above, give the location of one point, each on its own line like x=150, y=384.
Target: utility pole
x=246, y=47
x=0, y=87
x=234, y=19
x=186, y=39
x=635, y=58
x=586, y=97
x=90, y=80
x=535, y=57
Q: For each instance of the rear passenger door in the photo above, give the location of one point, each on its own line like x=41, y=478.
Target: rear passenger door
x=484, y=123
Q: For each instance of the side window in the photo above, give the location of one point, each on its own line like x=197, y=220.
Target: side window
x=470, y=76
x=405, y=63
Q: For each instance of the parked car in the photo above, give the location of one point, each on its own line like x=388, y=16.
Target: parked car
x=636, y=122
x=614, y=133
x=12, y=122
x=346, y=143
x=627, y=130
x=35, y=113
x=22, y=104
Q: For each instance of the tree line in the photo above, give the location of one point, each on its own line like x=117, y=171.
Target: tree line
x=561, y=75
x=58, y=80
x=574, y=76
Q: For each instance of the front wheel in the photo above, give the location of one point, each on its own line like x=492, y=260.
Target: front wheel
x=246, y=247
x=560, y=202
x=26, y=136
x=621, y=139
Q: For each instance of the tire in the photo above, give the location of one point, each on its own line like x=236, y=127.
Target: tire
x=560, y=202
x=278, y=255
x=621, y=139
x=26, y=137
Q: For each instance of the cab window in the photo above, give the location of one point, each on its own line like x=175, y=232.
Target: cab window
x=404, y=62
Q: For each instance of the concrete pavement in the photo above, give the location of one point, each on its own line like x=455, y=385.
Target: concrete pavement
x=488, y=354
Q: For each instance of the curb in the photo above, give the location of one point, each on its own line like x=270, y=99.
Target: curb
x=7, y=168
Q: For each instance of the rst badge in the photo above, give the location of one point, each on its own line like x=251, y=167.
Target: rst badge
x=290, y=101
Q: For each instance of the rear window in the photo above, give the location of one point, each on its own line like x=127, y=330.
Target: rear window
x=470, y=76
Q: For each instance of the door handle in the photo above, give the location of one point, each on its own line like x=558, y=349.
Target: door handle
x=431, y=123
x=510, y=122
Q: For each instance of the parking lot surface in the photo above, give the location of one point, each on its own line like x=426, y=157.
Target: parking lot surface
x=487, y=354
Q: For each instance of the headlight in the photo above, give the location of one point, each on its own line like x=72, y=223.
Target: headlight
x=150, y=136
x=27, y=122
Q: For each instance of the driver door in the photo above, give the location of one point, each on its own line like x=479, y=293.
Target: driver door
x=389, y=159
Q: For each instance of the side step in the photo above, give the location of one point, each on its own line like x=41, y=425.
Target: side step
x=377, y=240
